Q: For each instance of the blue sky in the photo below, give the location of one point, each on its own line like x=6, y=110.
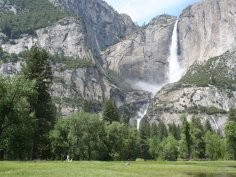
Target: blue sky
x=144, y=10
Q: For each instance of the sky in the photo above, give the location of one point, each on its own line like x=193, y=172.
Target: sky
x=142, y=11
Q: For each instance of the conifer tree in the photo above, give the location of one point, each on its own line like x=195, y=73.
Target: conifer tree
x=110, y=111
x=162, y=130
x=37, y=68
x=186, y=142
x=208, y=126
x=197, y=137
x=144, y=135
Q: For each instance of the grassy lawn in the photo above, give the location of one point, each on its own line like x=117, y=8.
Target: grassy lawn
x=115, y=169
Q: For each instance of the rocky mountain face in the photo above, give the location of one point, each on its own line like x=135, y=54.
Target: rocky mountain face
x=118, y=49
x=92, y=26
x=72, y=86
x=207, y=91
x=104, y=26
x=143, y=55
x=66, y=37
x=206, y=29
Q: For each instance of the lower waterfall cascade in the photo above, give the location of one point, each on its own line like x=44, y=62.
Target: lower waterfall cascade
x=174, y=74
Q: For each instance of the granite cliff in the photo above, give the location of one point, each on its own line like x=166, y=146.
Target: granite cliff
x=207, y=91
x=116, y=48
x=206, y=29
x=89, y=27
x=143, y=55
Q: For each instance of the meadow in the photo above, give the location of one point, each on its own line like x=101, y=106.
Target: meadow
x=117, y=169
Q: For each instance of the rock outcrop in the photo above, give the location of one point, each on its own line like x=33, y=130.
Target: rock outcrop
x=66, y=37
x=7, y=7
x=92, y=26
x=210, y=103
x=207, y=29
x=143, y=55
x=207, y=91
x=72, y=86
x=104, y=26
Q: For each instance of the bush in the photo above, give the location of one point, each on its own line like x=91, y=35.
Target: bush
x=205, y=110
x=69, y=63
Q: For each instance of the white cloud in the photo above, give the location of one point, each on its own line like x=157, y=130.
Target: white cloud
x=143, y=10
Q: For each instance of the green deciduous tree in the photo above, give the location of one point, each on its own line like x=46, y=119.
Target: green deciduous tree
x=59, y=138
x=230, y=133
x=155, y=147
x=215, y=146
x=170, y=148
x=122, y=141
x=87, y=137
x=16, y=122
x=37, y=68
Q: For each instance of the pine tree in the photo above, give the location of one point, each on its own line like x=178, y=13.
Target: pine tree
x=186, y=138
x=175, y=131
x=144, y=135
x=232, y=115
x=110, y=111
x=162, y=130
x=37, y=68
x=207, y=126
x=197, y=136
x=154, y=130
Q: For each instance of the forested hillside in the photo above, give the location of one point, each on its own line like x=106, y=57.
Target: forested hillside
x=25, y=16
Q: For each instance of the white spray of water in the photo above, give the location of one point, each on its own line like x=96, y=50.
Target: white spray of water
x=152, y=88
x=175, y=69
x=141, y=113
x=175, y=73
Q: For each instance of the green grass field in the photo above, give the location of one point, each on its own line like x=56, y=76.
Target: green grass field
x=117, y=169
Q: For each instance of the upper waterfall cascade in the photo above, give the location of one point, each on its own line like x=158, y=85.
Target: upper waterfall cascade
x=175, y=71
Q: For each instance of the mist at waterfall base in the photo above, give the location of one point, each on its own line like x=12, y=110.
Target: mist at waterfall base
x=152, y=88
x=174, y=74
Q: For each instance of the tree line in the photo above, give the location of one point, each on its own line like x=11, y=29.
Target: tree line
x=30, y=128
x=87, y=136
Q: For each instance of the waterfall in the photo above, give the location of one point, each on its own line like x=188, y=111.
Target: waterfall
x=150, y=88
x=174, y=74
x=175, y=69
x=141, y=113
